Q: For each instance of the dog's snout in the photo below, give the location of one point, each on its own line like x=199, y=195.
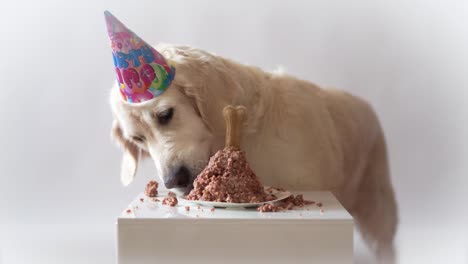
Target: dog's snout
x=180, y=178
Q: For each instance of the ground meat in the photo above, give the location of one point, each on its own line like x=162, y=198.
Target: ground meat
x=288, y=200
x=271, y=189
x=290, y=206
x=296, y=201
x=155, y=199
x=271, y=197
x=228, y=178
x=171, y=194
x=299, y=200
x=151, y=189
x=268, y=208
x=289, y=203
x=170, y=200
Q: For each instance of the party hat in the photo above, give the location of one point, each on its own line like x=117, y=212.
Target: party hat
x=142, y=72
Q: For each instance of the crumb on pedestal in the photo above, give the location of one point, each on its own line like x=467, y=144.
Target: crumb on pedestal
x=267, y=208
x=151, y=189
x=170, y=200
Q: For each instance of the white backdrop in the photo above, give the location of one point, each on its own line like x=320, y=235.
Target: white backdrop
x=60, y=190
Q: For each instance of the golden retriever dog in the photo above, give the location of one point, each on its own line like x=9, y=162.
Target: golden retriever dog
x=297, y=136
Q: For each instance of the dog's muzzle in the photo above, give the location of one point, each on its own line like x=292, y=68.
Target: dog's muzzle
x=179, y=179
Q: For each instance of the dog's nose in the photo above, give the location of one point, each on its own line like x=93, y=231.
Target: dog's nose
x=180, y=178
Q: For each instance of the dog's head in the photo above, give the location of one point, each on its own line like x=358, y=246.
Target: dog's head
x=181, y=128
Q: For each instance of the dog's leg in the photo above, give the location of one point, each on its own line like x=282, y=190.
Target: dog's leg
x=375, y=211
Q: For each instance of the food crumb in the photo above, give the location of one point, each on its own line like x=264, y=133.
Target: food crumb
x=170, y=200
x=322, y=211
x=319, y=204
x=155, y=199
x=187, y=208
x=299, y=200
x=267, y=208
x=212, y=209
x=288, y=204
x=129, y=211
x=142, y=199
x=151, y=189
x=271, y=197
x=278, y=189
x=171, y=194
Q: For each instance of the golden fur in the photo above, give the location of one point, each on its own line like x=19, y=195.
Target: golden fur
x=297, y=135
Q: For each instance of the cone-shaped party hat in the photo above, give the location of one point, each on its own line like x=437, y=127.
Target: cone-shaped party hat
x=142, y=72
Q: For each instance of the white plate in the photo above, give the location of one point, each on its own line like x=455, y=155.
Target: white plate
x=281, y=195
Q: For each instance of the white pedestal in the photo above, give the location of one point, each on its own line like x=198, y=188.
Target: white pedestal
x=156, y=233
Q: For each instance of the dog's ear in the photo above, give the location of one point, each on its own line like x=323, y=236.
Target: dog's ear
x=130, y=157
x=207, y=106
x=207, y=82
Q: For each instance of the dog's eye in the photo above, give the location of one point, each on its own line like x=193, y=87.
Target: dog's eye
x=139, y=139
x=165, y=116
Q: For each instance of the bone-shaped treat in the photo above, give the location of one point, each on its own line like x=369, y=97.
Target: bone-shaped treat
x=234, y=117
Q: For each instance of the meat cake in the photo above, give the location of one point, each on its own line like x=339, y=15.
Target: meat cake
x=228, y=176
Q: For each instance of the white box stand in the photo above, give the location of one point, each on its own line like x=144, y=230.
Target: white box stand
x=154, y=233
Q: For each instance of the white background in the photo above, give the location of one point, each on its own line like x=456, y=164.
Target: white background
x=60, y=191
